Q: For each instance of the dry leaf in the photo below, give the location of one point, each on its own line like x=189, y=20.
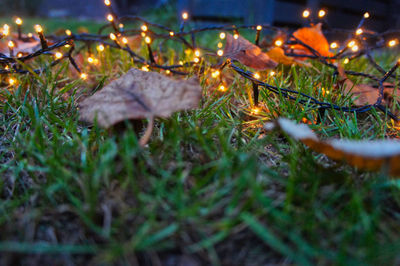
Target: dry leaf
x=247, y=53
x=278, y=55
x=365, y=154
x=138, y=95
x=364, y=94
x=313, y=37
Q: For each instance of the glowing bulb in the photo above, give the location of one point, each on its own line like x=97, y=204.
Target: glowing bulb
x=255, y=110
x=19, y=55
x=392, y=43
x=306, y=13
x=272, y=73
x=6, y=29
x=167, y=71
x=110, y=18
x=236, y=36
x=18, y=21
x=100, y=48
x=278, y=42
x=354, y=48
x=185, y=15
x=220, y=52
x=83, y=76
x=215, y=74
x=366, y=15
x=107, y=2
x=346, y=61
x=351, y=44
x=222, y=35
x=68, y=32
x=121, y=26
x=197, y=53
x=113, y=37
x=220, y=45
x=147, y=40
x=359, y=31
x=58, y=55
x=144, y=28
x=11, y=81
x=171, y=33
x=11, y=44
x=334, y=45
x=221, y=88
x=321, y=13
x=257, y=76
x=30, y=35
x=196, y=60
x=38, y=28
x=145, y=68
x=259, y=27
x=125, y=40
x=90, y=60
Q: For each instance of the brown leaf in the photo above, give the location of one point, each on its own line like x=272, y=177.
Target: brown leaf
x=313, y=37
x=365, y=154
x=363, y=94
x=138, y=95
x=278, y=55
x=247, y=53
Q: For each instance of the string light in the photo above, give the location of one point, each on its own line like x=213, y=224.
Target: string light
x=257, y=76
x=278, y=43
x=306, y=13
x=236, y=36
x=351, y=43
x=321, y=13
x=6, y=29
x=30, y=35
x=11, y=81
x=167, y=71
x=221, y=88
x=259, y=27
x=107, y=2
x=121, y=26
x=171, y=33
x=196, y=60
x=147, y=40
x=90, y=60
x=113, y=37
x=144, y=28
x=18, y=21
x=124, y=40
x=145, y=68
x=185, y=15
x=11, y=47
x=255, y=110
x=222, y=35
x=58, y=55
x=197, y=53
x=19, y=55
x=334, y=45
x=219, y=45
x=100, y=48
x=215, y=74
x=354, y=48
x=346, y=61
x=366, y=15
x=110, y=18
x=220, y=52
x=392, y=43
x=83, y=76
x=68, y=32
x=359, y=31
x=38, y=28
x=272, y=73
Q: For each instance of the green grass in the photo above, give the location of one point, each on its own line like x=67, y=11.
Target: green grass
x=211, y=186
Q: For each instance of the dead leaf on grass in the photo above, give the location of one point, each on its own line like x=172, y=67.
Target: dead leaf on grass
x=247, y=53
x=371, y=155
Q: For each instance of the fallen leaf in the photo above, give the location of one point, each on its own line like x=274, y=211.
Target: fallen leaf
x=139, y=95
x=247, y=53
x=313, y=37
x=371, y=155
x=363, y=94
x=20, y=47
x=278, y=55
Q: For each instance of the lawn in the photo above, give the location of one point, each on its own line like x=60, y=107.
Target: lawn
x=212, y=187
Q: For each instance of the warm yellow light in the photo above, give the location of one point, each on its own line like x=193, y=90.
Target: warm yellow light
x=346, y=61
x=222, y=35
x=125, y=40
x=147, y=40
x=392, y=43
x=196, y=60
x=359, y=31
x=272, y=73
x=100, y=48
x=18, y=21
x=68, y=32
x=351, y=43
x=197, y=53
x=110, y=18
x=321, y=13
x=11, y=81
x=6, y=29
x=30, y=35
x=38, y=28
x=220, y=52
x=58, y=55
x=67, y=46
x=306, y=13
x=144, y=28
x=236, y=36
x=257, y=76
x=121, y=26
x=215, y=74
x=334, y=45
x=366, y=15
x=113, y=37
x=354, y=48
x=11, y=44
x=259, y=27
x=278, y=42
x=171, y=33
x=90, y=60
x=185, y=15
x=255, y=110
x=19, y=55
x=83, y=76
x=221, y=88
x=220, y=45
x=107, y=2
x=167, y=71
x=145, y=68
x=143, y=34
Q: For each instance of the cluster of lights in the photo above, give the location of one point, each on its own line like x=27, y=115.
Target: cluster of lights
x=307, y=13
